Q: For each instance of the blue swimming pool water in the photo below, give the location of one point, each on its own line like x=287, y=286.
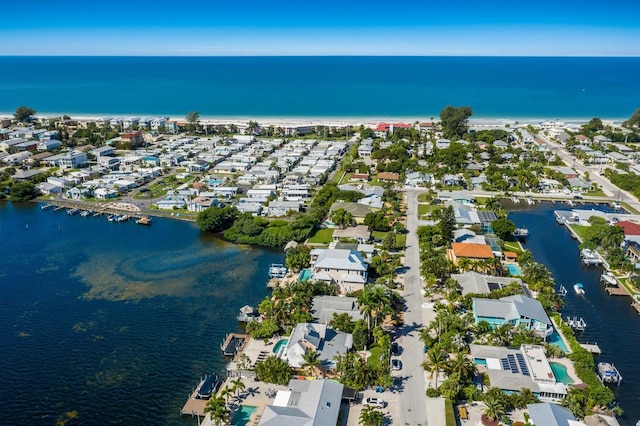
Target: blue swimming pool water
x=305, y=274
x=279, y=345
x=513, y=269
x=560, y=371
x=555, y=339
x=242, y=416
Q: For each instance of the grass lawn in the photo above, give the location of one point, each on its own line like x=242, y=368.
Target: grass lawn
x=630, y=209
x=379, y=235
x=374, y=359
x=425, y=198
x=449, y=414
x=375, y=182
x=512, y=246
x=154, y=191
x=322, y=236
x=427, y=208
x=584, y=231
x=595, y=194
x=401, y=241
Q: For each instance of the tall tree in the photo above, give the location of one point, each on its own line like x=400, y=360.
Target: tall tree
x=634, y=120
x=455, y=121
x=193, y=118
x=436, y=361
x=23, y=113
x=238, y=386
x=311, y=360
x=371, y=416
x=216, y=407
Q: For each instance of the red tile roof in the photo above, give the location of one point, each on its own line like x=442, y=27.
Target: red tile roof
x=629, y=228
x=473, y=251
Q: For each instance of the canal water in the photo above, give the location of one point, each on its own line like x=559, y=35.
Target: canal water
x=113, y=323
x=611, y=320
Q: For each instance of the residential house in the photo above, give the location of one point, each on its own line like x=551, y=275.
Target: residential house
x=281, y=208
x=321, y=338
x=472, y=252
x=465, y=235
x=305, y=403
x=103, y=151
x=473, y=282
x=105, y=193
x=579, y=184
x=48, y=188
x=518, y=310
x=513, y=370
x=452, y=180
x=201, y=203
x=547, y=414
x=132, y=138
x=198, y=166
x=357, y=210
x=417, y=179
x=364, y=151
x=323, y=308
x=443, y=143
x=359, y=233
x=478, y=181
x=346, y=268
x=388, y=177
x=359, y=177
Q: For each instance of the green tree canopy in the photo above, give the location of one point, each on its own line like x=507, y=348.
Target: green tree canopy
x=23, y=191
x=23, y=113
x=455, y=121
x=503, y=228
x=298, y=257
x=217, y=219
x=274, y=370
x=192, y=118
x=634, y=120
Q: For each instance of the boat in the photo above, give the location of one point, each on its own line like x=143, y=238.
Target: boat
x=112, y=217
x=72, y=211
x=85, y=213
x=144, y=220
x=609, y=278
x=46, y=206
x=515, y=200
x=208, y=386
x=530, y=201
x=608, y=373
x=590, y=257
x=521, y=233
x=616, y=206
x=570, y=203
x=123, y=218
x=277, y=270
x=579, y=288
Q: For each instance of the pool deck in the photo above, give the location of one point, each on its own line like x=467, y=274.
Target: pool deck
x=571, y=371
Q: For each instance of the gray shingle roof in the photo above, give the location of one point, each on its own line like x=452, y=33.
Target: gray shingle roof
x=550, y=414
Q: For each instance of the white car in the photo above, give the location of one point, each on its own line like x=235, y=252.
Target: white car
x=375, y=402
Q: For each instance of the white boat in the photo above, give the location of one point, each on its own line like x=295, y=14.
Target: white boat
x=579, y=288
x=608, y=373
x=616, y=206
x=515, y=200
x=530, y=201
x=608, y=278
x=521, y=233
x=570, y=203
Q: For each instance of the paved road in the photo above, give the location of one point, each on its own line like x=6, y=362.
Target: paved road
x=412, y=397
x=615, y=193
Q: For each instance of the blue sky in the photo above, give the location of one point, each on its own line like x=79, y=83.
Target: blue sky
x=251, y=27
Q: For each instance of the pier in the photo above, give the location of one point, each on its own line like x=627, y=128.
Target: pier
x=576, y=323
x=617, y=291
x=94, y=209
x=591, y=348
x=234, y=343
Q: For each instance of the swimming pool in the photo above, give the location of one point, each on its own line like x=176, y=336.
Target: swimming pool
x=513, y=269
x=560, y=371
x=555, y=339
x=305, y=274
x=279, y=347
x=242, y=416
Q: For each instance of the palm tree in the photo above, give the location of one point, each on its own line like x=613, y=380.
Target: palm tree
x=495, y=408
x=226, y=393
x=371, y=416
x=311, y=360
x=217, y=408
x=461, y=367
x=502, y=333
x=238, y=385
x=436, y=360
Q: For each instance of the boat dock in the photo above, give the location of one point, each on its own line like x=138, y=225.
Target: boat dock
x=95, y=210
x=234, y=343
x=576, y=323
x=617, y=291
x=591, y=348
x=609, y=374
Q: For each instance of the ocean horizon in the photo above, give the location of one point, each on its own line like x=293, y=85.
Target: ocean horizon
x=323, y=87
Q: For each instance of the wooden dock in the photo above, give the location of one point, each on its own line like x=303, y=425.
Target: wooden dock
x=234, y=343
x=194, y=406
x=636, y=306
x=592, y=348
x=617, y=291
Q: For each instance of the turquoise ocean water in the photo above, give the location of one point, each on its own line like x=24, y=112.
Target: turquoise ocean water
x=496, y=87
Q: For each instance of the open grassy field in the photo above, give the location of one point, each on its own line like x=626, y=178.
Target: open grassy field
x=321, y=236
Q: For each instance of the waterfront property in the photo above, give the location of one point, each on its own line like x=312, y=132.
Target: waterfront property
x=346, y=268
x=473, y=282
x=512, y=370
x=469, y=251
x=324, y=307
x=518, y=310
x=551, y=415
x=320, y=338
x=305, y=403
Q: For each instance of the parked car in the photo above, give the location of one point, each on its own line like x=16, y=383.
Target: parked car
x=375, y=402
x=396, y=364
x=395, y=349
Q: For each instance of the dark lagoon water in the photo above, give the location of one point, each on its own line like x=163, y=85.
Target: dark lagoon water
x=113, y=323
x=611, y=320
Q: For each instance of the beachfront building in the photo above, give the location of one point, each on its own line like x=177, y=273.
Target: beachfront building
x=305, y=403
x=513, y=370
x=518, y=310
x=342, y=267
x=321, y=338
